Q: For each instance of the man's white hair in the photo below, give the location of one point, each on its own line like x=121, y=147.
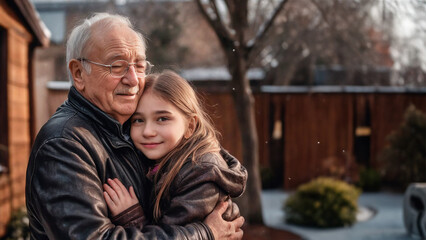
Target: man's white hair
x=81, y=34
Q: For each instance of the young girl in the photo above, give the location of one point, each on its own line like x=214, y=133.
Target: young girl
x=189, y=171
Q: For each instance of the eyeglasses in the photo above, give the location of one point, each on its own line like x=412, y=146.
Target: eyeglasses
x=119, y=68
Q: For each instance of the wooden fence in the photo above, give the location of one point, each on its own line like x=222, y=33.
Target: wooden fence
x=308, y=132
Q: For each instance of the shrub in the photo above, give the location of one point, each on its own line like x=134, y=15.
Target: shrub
x=369, y=180
x=323, y=202
x=404, y=159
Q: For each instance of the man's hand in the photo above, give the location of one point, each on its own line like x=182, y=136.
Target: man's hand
x=222, y=229
x=117, y=197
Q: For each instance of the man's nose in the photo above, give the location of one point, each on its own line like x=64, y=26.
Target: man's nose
x=131, y=78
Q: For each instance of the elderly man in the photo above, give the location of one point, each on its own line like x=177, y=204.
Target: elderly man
x=87, y=141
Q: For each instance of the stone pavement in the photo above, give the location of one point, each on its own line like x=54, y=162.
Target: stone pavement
x=386, y=224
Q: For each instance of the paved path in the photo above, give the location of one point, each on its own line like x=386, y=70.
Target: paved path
x=387, y=224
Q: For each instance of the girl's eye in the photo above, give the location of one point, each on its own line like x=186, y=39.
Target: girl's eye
x=162, y=119
x=137, y=120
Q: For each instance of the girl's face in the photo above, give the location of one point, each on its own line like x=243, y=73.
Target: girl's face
x=157, y=126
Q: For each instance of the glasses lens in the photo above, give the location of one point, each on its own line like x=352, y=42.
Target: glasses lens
x=140, y=67
x=119, y=68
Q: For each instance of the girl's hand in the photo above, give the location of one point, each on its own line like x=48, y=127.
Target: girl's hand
x=117, y=197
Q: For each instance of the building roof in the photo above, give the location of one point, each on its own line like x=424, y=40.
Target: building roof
x=343, y=89
x=218, y=73
x=27, y=12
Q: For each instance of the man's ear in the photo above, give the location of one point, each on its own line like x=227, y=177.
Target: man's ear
x=76, y=69
x=191, y=127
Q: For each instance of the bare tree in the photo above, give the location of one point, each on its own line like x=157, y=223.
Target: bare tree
x=241, y=33
x=323, y=32
x=359, y=35
x=405, y=23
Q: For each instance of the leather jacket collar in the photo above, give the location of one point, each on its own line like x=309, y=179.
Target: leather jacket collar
x=112, y=126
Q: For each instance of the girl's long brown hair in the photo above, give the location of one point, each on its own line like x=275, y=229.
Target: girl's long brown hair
x=173, y=88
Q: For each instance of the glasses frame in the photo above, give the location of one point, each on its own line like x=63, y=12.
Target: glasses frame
x=146, y=72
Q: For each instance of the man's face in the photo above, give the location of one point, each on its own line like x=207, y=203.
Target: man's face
x=116, y=96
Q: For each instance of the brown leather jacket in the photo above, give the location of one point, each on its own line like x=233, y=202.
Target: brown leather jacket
x=196, y=190
x=75, y=152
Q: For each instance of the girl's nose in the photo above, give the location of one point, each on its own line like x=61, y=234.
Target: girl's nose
x=149, y=130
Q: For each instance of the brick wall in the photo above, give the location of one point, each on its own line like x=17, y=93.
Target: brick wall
x=12, y=183
x=18, y=116
x=5, y=203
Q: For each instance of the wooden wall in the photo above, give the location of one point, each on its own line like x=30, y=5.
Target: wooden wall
x=315, y=128
x=12, y=183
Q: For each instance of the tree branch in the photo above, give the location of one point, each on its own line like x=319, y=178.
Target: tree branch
x=219, y=17
x=217, y=24
x=270, y=22
x=259, y=37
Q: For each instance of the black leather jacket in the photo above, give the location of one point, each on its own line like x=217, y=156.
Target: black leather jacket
x=200, y=185
x=197, y=188
x=74, y=153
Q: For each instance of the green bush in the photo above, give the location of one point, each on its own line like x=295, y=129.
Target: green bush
x=404, y=159
x=324, y=203
x=18, y=227
x=369, y=180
